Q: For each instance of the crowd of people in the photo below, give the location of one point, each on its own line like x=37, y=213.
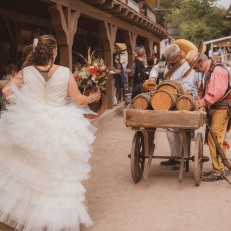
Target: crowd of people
x=209, y=82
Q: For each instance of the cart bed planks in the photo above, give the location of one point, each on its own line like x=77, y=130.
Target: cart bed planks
x=164, y=119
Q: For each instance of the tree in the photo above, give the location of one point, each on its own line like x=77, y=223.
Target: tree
x=195, y=20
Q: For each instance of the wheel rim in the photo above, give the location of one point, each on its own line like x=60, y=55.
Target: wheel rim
x=137, y=157
x=198, y=157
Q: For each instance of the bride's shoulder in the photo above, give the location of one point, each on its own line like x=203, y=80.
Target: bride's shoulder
x=61, y=67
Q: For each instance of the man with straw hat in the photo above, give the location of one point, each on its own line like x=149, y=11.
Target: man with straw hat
x=177, y=67
x=216, y=98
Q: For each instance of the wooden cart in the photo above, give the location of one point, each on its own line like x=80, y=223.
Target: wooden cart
x=145, y=122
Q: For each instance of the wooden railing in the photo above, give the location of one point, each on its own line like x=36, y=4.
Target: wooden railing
x=132, y=4
x=147, y=10
x=150, y=13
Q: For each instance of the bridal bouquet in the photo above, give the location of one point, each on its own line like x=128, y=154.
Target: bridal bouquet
x=93, y=73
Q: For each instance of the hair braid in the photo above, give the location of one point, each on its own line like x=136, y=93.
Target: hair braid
x=42, y=54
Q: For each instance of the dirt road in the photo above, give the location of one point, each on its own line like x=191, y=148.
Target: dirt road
x=161, y=203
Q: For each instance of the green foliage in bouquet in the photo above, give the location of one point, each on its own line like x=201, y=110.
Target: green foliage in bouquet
x=93, y=73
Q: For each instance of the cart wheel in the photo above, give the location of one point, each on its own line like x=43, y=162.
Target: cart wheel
x=198, y=159
x=137, y=157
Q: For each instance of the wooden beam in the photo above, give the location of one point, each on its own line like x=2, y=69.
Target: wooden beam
x=108, y=35
x=106, y=6
x=64, y=21
x=128, y=16
x=60, y=2
x=122, y=13
x=10, y=32
x=59, y=23
x=115, y=9
x=134, y=20
x=28, y=19
x=86, y=10
x=95, y=1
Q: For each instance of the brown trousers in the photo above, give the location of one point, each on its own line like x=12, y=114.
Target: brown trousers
x=219, y=121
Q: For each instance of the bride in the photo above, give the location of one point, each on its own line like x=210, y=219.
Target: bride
x=45, y=146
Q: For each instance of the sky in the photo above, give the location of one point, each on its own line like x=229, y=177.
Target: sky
x=224, y=3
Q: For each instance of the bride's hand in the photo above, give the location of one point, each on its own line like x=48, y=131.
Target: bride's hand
x=95, y=96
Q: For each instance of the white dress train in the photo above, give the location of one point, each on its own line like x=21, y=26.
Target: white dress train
x=45, y=146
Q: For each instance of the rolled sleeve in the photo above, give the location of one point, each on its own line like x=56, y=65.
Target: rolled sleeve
x=154, y=73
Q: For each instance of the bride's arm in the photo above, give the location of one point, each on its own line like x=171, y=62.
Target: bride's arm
x=76, y=95
x=17, y=80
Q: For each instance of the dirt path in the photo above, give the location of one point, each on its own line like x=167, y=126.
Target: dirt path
x=161, y=204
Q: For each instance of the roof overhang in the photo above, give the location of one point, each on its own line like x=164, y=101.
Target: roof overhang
x=217, y=40
x=228, y=14
x=124, y=12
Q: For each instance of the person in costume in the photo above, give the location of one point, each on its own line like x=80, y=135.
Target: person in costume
x=176, y=58
x=216, y=98
x=45, y=146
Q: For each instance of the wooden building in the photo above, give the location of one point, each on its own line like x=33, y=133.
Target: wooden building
x=78, y=25
x=228, y=16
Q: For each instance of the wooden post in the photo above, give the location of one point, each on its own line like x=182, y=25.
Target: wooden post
x=130, y=41
x=148, y=44
x=64, y=21
x=108, y=35
x=158, y=51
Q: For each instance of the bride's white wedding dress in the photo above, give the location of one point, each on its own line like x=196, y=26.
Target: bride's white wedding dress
x=45, y=146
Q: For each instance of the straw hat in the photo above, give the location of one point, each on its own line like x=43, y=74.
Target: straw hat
x=98, y=107
x=194, y=56
x=185, y=45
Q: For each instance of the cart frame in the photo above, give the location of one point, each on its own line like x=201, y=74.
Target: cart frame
x=145, y=122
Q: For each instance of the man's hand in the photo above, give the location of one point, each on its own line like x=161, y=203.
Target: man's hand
x=151, y=81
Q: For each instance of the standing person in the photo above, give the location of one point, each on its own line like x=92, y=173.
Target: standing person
x=124, y=66
x=150, y=62
x=169, y=40
x=174, y=55
x=118, y=82
x=197, y=81
x=154, y=56
x=220, y=52
x=229, y=53
x=45, y=146
x=210, y=53
x=166, y=42
x=138, y=72
x=11, y=71
x=216, y=97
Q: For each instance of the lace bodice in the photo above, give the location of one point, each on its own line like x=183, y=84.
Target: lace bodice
x=52, y=92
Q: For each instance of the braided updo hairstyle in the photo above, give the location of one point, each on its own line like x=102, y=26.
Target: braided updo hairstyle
x=41, y=54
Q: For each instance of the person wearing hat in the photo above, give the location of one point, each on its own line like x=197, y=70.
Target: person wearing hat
x=215, y=96
x=177, y=67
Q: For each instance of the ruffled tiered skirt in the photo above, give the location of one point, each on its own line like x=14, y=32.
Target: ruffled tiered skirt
x=44, y=153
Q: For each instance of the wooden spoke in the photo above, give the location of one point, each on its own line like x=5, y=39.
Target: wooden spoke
x=137, y=157
x=198, y=159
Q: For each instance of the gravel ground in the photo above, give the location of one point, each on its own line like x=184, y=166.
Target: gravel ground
x=161, y=203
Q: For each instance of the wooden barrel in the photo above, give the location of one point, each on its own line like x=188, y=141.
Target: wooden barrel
x=3, y=83
x=163, y=100
x=186, y=102
x=171, y=86
x=142, y=102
